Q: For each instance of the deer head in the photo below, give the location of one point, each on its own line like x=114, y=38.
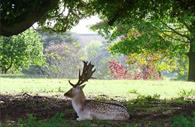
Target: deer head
x=87, y=73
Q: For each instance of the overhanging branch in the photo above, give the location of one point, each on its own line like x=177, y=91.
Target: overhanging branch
x=22, y=22
x=186, y=25
x=175, y=31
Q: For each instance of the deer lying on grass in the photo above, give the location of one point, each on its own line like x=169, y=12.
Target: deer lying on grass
x=88, y=109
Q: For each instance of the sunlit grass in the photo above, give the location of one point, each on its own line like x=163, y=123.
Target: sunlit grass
x=126, y=89
x=117, y=89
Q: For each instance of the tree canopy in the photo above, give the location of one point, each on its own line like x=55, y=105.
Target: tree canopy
x=165, y=27
x=20, y=51
x=55, y=15
x=60, y=15
x=168, y=24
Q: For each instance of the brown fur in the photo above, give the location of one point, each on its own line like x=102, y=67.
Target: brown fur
x=96, y=107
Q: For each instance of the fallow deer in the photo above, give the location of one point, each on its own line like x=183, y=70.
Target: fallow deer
x=89, y=109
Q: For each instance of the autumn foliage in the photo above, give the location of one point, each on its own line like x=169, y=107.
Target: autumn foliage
x=118, y=71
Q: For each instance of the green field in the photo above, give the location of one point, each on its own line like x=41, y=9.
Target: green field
x=125, y=89
x=138, y=96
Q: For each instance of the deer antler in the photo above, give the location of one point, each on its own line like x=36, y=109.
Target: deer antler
x=86, y=74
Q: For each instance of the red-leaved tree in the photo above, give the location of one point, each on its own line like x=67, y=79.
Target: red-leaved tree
x=118, y=71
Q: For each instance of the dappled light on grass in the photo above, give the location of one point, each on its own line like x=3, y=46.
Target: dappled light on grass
x=152, y=103
x=27, y=110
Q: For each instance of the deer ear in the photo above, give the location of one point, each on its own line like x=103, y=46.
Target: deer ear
x=82, y=86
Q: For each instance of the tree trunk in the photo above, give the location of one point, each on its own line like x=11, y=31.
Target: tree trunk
x=191, y=54
x=191, y=73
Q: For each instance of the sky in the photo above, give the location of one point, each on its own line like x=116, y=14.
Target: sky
x=83, y=27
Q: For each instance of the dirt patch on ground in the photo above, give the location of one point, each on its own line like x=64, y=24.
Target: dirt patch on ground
x=19, y=106
x=15, y=107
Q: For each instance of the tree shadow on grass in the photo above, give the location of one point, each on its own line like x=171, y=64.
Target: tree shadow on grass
x=144, y=108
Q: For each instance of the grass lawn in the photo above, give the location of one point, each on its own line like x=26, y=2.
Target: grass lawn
x=140, y=99
x=127, y=89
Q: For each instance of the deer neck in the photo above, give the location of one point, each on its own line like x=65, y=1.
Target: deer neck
x=78, y=102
